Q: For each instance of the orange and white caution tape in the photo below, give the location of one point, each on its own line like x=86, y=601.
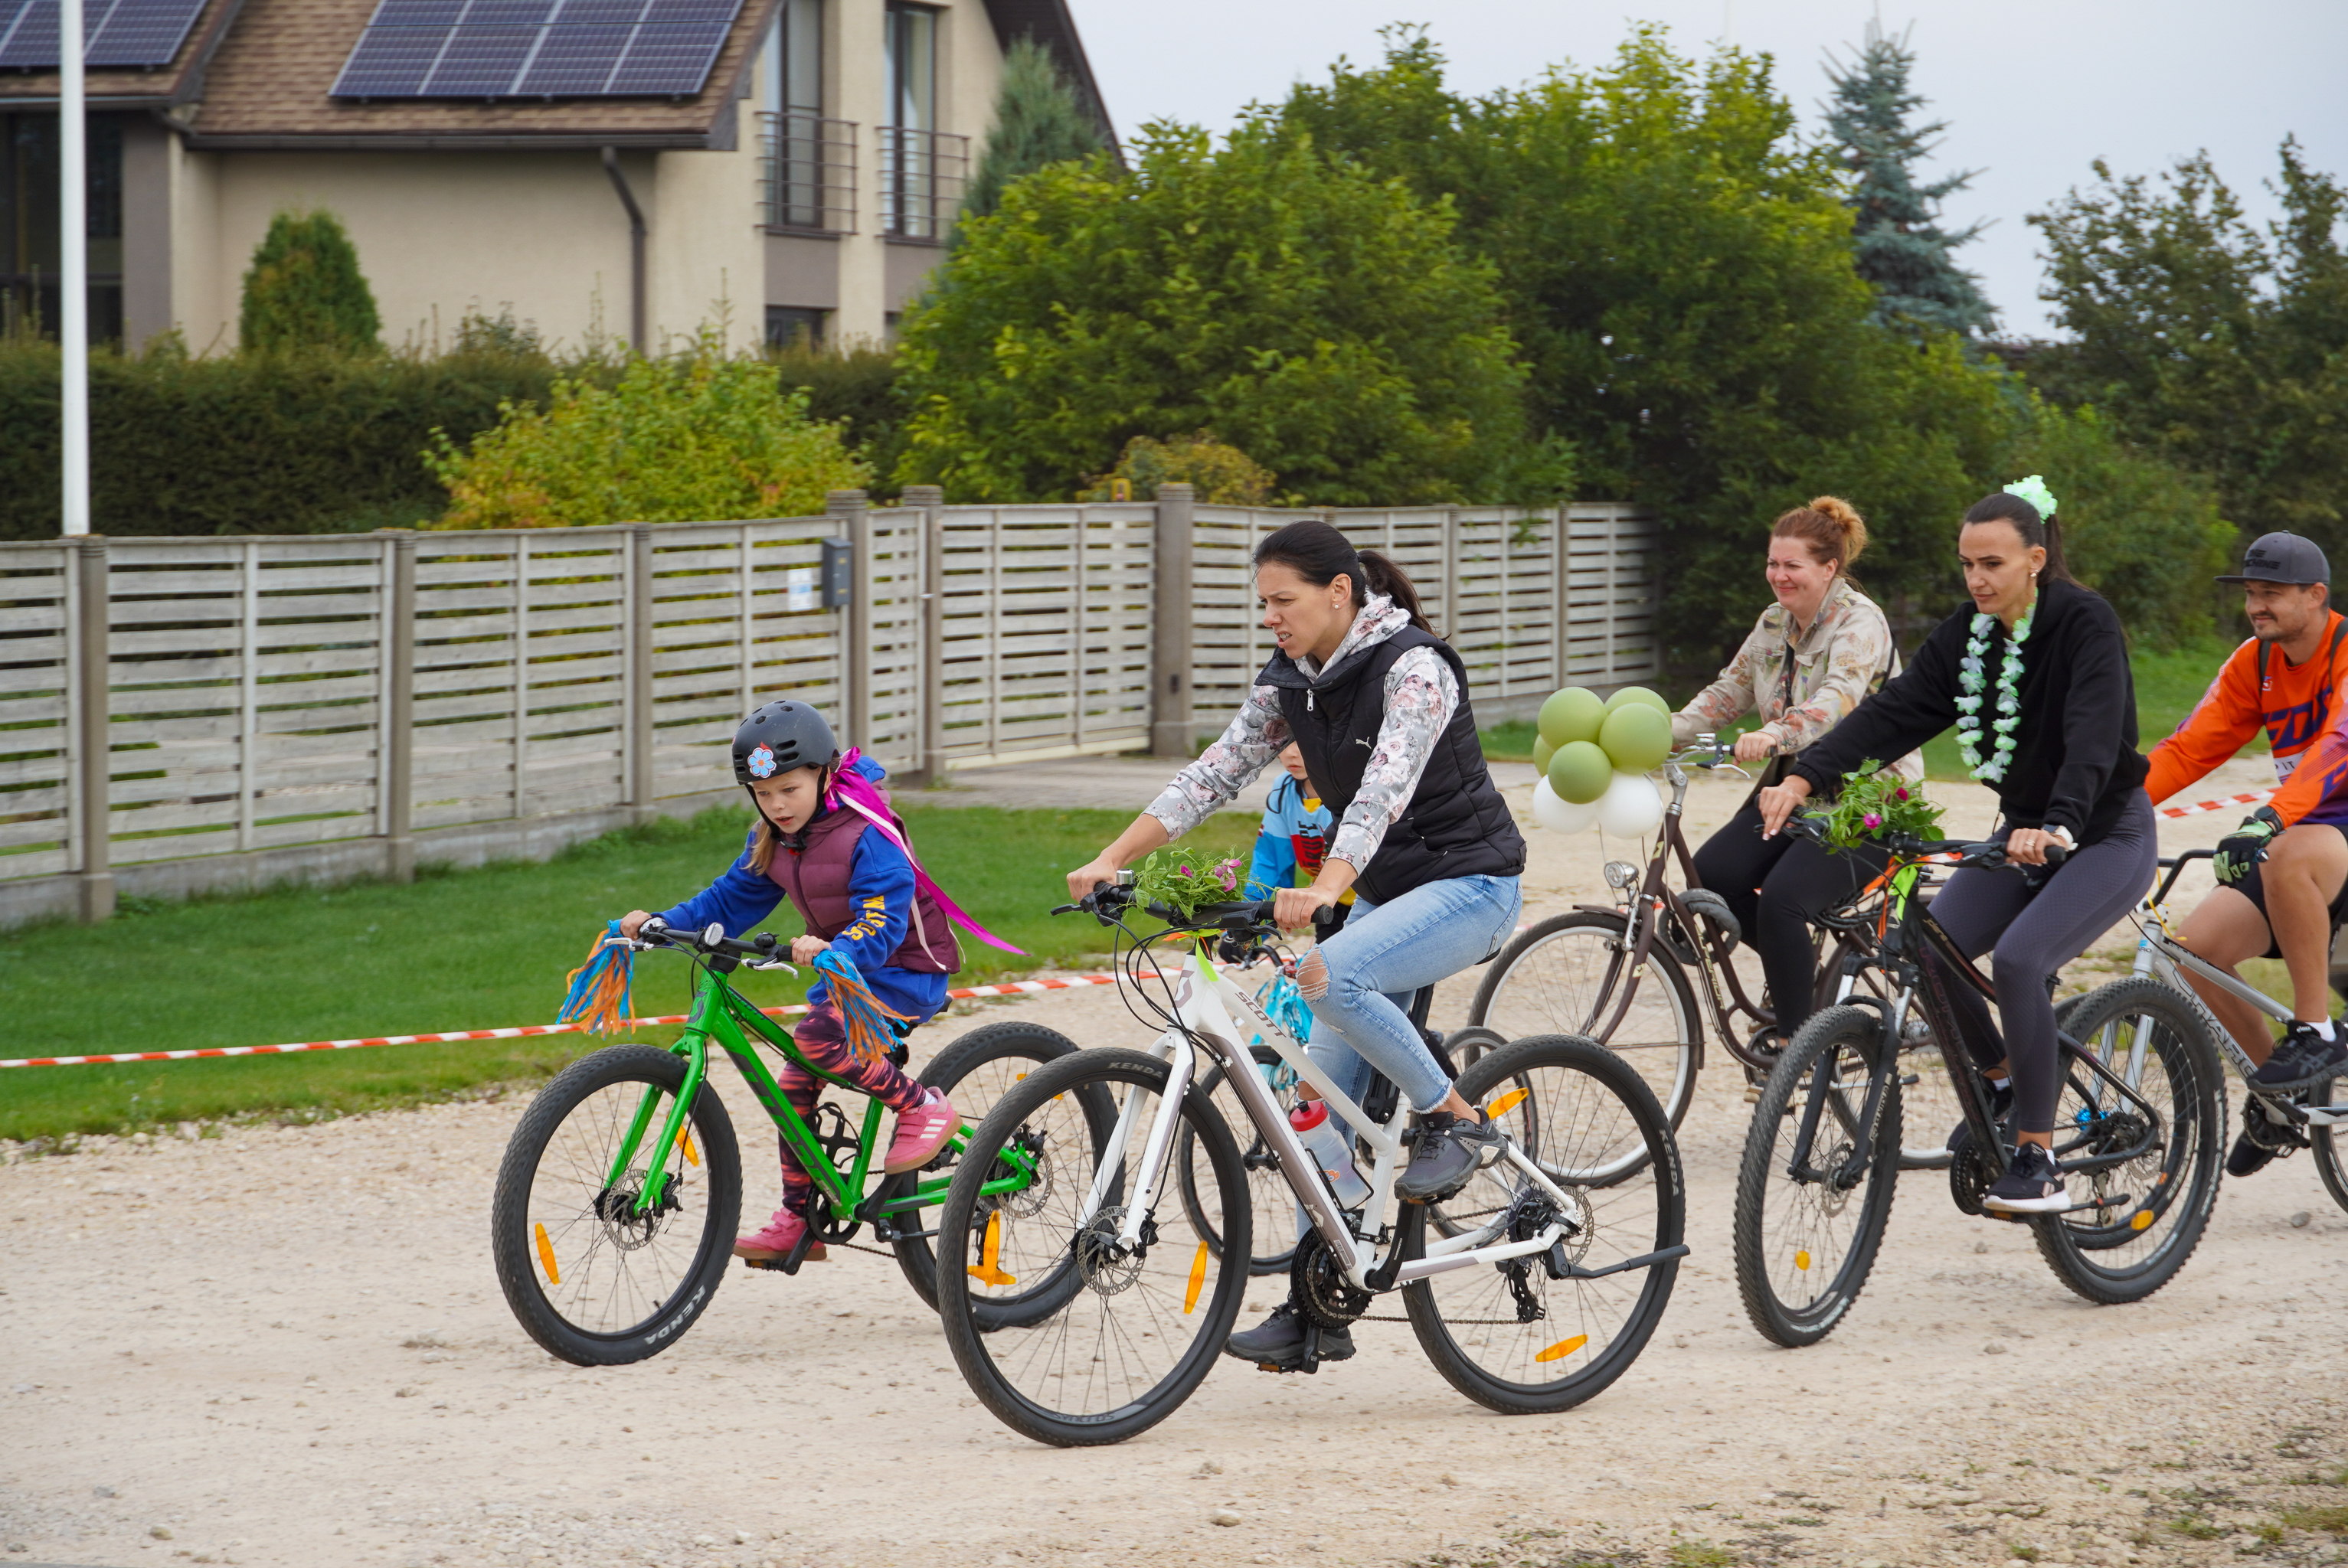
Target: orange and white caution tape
x=1008, y=989
x=2223, y=802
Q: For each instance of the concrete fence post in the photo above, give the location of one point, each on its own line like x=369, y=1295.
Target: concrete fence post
x=94, y=742
x=852, y=515
x=929, y=700
x=641, y=773
x=1171, y=610
x=397, y=762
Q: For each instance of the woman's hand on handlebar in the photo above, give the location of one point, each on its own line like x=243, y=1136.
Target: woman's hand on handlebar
x=1779, y=802
x=1293, y=908
x=1085, y=878
x=2028, y=845
x=1753, y=746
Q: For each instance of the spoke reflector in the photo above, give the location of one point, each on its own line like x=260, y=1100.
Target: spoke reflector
x=2143, y=1219
x=685, y=1137
x=546, y=1256
x=990, y=1255
x=1198, y=1279
x=1802, y=1261
x=1563, y=1348
x=1506, y=1103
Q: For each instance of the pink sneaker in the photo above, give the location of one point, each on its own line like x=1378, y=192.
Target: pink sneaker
x=781, y=1233
x=921, y=1133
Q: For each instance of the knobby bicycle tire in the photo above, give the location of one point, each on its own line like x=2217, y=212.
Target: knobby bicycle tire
x=2104, y=1255
x=569, y=1250
x=1005, y=1040
x=1568, y=1002
x=1812, y=1212
x=2326, y=1142
x=1565, y=1102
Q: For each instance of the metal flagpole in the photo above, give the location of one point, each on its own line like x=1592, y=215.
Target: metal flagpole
x=74, y=243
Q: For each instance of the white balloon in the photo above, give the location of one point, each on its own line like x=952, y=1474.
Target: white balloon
x=1559, y=814
x=1631, y=806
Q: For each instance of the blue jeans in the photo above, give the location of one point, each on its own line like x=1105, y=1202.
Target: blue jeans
x=1384, y=954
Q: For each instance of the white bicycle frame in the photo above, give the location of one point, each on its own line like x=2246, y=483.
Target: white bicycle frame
x=1203, y=997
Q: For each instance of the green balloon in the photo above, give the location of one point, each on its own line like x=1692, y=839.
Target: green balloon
x=1542, y=751
x=1630, y=694
x=1572, y=714
x=1581, y=772
x=1637, y=737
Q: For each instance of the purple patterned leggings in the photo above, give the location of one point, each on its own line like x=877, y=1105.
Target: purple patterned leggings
x=822, y=1035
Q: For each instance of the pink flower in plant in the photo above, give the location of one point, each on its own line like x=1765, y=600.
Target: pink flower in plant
x=1900, y=795
x=1874, y=819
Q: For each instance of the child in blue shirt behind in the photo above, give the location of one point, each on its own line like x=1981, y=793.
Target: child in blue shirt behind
x=1295, y=835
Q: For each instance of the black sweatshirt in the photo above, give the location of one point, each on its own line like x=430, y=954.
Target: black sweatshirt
x=2074, y=761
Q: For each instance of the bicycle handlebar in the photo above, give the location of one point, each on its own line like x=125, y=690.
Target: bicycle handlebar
x=2176, y=868
x=1987, y=854
x=761, y=950
x=1106, y=900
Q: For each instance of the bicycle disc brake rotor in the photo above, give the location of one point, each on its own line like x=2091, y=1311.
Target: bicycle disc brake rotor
x=627, y=1227
x=1536, y=1211
x=1318, y=1281
x=1833, y=1195
x=1027, y=1202
x=1108, y=1267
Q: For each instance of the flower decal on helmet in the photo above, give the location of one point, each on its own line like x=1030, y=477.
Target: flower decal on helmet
x=761, y=762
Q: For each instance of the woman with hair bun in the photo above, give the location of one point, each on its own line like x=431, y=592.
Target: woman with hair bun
x=1378, y=705
x=1812, y=657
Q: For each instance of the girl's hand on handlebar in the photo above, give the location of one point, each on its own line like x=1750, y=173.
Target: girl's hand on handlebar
x=1754, y=746
x=1293, y=908
x=805, y=948
x=2027, y=846
x=1779, y=802
x=633, y=922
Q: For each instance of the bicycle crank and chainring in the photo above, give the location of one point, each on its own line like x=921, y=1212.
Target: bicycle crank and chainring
x=828, y=1128
x=1318, y=1280
x=1969, y=1176
x=628, y=1227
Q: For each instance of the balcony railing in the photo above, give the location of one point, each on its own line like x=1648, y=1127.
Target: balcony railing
x=809, y=170
x=922, y=177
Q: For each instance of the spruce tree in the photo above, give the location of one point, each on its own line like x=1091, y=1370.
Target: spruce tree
x=305, y=290
x=1901, y=248
x=1038, y=120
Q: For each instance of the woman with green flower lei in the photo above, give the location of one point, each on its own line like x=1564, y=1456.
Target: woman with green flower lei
x=2033, y=675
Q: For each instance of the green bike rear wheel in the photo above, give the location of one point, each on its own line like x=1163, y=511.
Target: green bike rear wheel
x=592, y=1281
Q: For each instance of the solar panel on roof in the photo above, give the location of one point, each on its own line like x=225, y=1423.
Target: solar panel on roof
x=115, y=33
x=536, y=48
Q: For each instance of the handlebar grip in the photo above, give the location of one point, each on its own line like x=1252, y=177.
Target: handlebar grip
x=2056, y=856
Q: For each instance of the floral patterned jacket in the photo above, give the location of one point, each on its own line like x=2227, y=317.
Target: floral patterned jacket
x=1420, y=695
x=1802, y=690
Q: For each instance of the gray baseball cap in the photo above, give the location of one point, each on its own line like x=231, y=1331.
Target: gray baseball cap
x=2283, y=558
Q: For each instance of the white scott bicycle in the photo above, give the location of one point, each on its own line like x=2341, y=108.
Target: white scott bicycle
x=1087, y=1285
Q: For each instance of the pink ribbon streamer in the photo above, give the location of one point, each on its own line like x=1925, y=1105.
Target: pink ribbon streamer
x=860, y=795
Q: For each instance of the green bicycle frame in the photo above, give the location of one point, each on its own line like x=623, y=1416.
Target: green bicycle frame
x=722, y=1014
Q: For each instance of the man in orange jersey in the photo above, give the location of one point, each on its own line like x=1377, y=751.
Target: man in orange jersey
x=2284, y=872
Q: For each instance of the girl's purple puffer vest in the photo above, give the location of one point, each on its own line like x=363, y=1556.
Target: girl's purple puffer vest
x=814, y=877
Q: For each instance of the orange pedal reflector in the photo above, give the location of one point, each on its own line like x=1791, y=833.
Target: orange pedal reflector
x=1563, y=1348
x=990, y=1255
x=546, y=1256
x=1506, y=1103
x=685, y=1141
x=1198, y=1280
x=1802, y=1261
x=2142, y=1221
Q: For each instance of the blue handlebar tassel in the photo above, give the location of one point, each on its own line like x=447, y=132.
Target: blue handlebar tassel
x=601, y=988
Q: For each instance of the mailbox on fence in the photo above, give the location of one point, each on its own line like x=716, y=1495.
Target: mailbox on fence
x=838, y=573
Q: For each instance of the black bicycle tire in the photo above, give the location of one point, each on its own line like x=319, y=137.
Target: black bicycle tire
x=1661, y=962
x=1434, y=1338
x=986, y=1044
x=1260, y=1263
x=2324, y=1143
x=511, y=1237
x=1756, y=1168
x=965, y=1331
x=2057, y=1245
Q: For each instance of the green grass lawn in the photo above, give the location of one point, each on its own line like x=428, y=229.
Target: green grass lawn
x=452, y=950
x=2166, y=687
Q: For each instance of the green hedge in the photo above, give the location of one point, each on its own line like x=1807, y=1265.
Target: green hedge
x=312, y=442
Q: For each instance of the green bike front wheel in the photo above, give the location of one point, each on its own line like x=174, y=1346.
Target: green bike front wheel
x=595, y=1280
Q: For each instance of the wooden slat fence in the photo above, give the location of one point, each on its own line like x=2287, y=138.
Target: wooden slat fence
x=310, y=706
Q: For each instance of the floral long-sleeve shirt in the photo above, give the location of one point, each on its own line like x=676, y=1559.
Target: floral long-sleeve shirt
x=1420, y=696
x=1802, y=687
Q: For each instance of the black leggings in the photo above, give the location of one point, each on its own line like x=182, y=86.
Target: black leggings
x=1776, y=888
x=2037, y=931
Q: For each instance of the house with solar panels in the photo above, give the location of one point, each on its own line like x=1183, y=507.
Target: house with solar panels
x=613, y=167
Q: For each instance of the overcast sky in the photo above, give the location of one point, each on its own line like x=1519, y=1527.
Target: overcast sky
x=2033, y=91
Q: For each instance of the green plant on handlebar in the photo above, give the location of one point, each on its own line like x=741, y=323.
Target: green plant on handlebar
x=1876, y=803
x=1181, y=880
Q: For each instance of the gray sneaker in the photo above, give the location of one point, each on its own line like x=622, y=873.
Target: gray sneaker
x=2302, y=1057
x=1277, y=1344
x=1450, y=1150
x=2033, y=1184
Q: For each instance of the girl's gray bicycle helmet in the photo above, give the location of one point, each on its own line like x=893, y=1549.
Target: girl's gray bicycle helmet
x=779, y=737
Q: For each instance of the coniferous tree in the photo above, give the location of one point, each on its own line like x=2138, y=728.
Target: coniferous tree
x=1901, y=248
x=1038, y=120
x=305, y=290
